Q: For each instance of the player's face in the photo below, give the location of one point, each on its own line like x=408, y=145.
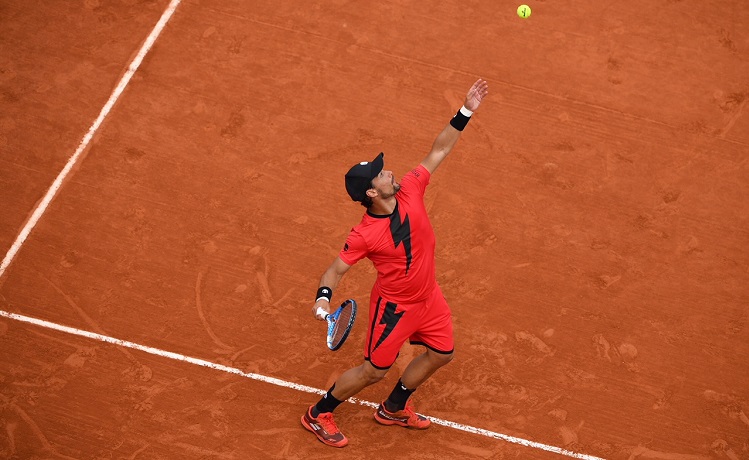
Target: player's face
x=385, y=184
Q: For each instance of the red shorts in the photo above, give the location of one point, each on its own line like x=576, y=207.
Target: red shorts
x=427, y=323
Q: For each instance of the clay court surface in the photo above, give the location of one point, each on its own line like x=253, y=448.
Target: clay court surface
x=592, y=224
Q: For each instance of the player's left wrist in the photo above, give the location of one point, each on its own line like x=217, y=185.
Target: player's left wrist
x=461, y=118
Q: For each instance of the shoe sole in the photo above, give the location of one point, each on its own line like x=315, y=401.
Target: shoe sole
x=384, y=421
x=344, y=443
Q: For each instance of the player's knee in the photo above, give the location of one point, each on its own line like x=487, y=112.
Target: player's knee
x=441, y=359
x=371, y=374
x=375, y=378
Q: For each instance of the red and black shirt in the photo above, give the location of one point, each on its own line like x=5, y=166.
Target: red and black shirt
x=400, y=245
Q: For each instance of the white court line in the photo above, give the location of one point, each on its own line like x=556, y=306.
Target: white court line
x=44, y=203
x=283, y=383
x=42, y=207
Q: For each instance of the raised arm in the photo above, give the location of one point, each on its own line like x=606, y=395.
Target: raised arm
x=329, y=280
x=446, y=140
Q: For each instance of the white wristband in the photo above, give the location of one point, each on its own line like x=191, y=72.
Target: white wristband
x=465, y=111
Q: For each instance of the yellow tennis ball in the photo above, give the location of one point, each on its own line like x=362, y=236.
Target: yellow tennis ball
x=524, y=11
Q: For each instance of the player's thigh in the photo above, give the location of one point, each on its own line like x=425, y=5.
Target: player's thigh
x=436, y=329
x=390, y=326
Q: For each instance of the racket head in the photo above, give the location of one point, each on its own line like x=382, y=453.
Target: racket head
x=340, y=323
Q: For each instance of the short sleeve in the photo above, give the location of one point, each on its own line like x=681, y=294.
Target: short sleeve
x=418, y=178
x=354, y=249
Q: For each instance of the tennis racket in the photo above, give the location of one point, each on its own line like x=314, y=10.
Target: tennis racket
x=339, y=323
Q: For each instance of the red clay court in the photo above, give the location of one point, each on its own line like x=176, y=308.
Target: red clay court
x=171, y=189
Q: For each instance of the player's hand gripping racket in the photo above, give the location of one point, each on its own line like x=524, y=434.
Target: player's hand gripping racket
x=339, y=323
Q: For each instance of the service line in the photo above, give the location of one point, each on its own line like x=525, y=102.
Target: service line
x=282, y=383
x=44, y=203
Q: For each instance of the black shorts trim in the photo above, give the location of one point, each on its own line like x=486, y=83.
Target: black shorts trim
x=432, y=348
x=378, y=367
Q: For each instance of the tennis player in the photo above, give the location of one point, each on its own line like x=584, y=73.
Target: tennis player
x=406, y=303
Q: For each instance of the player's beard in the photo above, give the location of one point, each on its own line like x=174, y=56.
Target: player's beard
x=396, y=188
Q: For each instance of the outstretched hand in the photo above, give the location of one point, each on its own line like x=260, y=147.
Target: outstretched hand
x=476, y=94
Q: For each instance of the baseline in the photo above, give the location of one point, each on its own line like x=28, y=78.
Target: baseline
x=282, y=383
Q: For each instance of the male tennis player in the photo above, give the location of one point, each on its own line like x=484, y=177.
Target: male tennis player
x=406, y=303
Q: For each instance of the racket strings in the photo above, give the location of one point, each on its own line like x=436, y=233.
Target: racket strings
x=341, y=325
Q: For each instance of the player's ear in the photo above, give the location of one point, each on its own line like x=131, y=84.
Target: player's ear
x=372, y=193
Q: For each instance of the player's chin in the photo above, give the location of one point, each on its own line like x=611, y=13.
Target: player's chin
x=396, y=186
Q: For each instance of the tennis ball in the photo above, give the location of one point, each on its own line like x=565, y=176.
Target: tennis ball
x=524, y=11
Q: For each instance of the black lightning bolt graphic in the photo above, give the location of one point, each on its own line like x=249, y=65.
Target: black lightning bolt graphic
x=401, y=234
x=389, y=318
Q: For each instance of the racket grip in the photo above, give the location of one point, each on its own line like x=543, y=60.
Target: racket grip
x=322, y=312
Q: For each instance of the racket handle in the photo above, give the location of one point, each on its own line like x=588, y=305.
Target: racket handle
x=322, y=312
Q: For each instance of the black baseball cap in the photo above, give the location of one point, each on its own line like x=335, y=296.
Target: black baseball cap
x=359, y=177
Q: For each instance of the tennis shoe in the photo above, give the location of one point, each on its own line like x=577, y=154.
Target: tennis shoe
x=324, y=427
x=406, y=417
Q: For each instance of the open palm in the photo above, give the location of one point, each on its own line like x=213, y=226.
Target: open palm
x=476, y=94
